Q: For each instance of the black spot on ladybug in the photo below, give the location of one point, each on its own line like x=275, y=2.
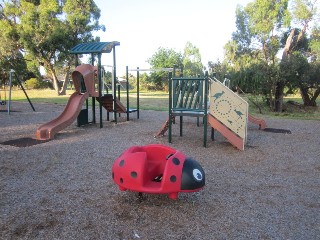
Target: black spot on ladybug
x=173, y=178
x=121, y=180
x=134, y=174
x=121, y=164
x=176, y=161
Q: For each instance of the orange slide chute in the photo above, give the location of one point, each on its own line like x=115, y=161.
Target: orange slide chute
x=232, y=137
x=261, y=122
x=83, y=75
x=66, y=118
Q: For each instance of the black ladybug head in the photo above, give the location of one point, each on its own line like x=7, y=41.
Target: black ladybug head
x=193, y=176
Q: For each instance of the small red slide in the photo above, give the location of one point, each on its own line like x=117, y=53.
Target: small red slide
x=232, y=137
x=262, y=123
x=66, y=118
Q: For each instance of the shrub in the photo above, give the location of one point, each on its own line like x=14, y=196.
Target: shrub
x=34, y=83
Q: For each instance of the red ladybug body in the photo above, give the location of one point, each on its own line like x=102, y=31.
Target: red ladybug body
x=157, y=169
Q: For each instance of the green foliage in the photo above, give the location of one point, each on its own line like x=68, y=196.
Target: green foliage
x=46, y=30
x=146, y=83
x=107, y=77
x=266, y=16
x=163, y=58
x=82, y=18
x=34, y=83
x=303, y=10
x=132, y=81
x=262, y=32
x=11, y=56
x=192, y=65
x=242, y=36
x=189, y=63
x=302, y=74
x=315, y=44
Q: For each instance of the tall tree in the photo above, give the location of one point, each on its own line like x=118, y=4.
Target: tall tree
x=261, y=26
x=11, y=56
x=267, y=19
x=304, y=76
x=47, y=29
x=192, y=65
x=303, y=13
x=164, y=58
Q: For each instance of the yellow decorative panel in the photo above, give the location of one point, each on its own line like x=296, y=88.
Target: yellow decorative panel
x=229, y=108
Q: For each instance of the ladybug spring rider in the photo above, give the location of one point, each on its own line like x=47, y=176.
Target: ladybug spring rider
x=157, y=169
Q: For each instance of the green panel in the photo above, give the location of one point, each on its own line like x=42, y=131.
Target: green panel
x=94, y=47
x=188, y=97
x=194, y=90
x=188, y=93
x=176, y=92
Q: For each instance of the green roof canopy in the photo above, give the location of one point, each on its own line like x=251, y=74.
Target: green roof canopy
x=94, y=47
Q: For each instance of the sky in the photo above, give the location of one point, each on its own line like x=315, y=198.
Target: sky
x=142, y=26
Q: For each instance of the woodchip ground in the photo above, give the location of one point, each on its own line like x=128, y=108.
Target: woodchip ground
x=63, y=188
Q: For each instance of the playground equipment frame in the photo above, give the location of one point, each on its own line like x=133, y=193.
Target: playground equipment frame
x=98, y=48
x=13, y=73
x=138, y=70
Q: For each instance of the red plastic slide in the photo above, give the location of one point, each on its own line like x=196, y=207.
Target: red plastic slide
x=233, y=138
x=262, y=123
x=66, y=118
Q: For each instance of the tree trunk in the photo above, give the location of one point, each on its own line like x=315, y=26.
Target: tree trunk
x=291, y=43
x=55, y=80
x=288, y=46
x=66, y=82
x=280, y=84
x=315, y=96
x=271, y=105
x=278, y=96
x=307, y=100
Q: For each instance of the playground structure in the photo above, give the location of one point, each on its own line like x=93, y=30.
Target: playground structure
x=4, y=101
x=82, y=77
x=226, y=112
x=106, y=99
x=97, y=49
x=116, y=106
x=157, y=169
x=188, y=97
x=3, y=94
x=85, y=78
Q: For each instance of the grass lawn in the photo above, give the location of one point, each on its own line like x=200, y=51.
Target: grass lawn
x=159, y=101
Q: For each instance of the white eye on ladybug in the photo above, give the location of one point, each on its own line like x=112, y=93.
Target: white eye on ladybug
x=197, y=174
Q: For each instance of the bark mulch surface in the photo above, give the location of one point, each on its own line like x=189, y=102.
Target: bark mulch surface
x=63, y=188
